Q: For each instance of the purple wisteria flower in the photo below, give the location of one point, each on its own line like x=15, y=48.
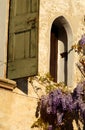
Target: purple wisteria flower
x=82, y=40
x=50, y=127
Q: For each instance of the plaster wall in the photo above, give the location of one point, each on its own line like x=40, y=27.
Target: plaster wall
x=3, y=35
x=17, y=110
x=73, y=11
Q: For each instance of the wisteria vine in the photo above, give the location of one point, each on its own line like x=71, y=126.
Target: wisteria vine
x=53, y=107
x=56, y=104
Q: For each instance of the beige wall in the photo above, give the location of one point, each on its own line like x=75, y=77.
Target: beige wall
x=3, y=35
x=17, y=110
x=73, y=11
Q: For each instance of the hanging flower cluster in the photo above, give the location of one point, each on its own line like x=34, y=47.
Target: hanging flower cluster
x=54, y=106
x=81, y=44
x=82, y=41
x=58, y=108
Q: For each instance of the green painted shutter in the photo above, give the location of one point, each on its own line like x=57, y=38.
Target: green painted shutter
x=23, y=38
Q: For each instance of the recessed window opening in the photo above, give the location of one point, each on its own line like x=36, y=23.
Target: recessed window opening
x=59, y=50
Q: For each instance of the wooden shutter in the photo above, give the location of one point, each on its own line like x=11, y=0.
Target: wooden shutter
x=23, y=38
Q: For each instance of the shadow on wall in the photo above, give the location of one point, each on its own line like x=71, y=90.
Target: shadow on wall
x=22, y=84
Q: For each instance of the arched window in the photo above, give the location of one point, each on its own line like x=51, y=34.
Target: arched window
x=60, y=44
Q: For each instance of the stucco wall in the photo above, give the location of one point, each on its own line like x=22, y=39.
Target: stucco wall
x=17, y=109
x=3, y=35
x=73, y=11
